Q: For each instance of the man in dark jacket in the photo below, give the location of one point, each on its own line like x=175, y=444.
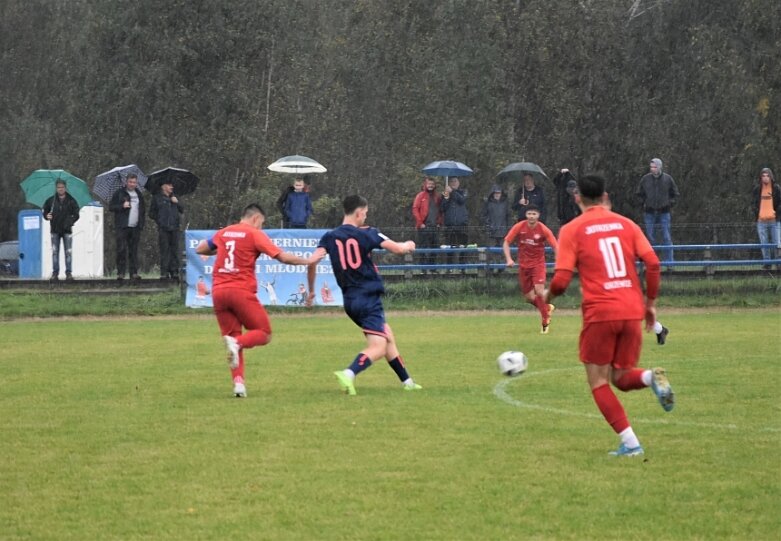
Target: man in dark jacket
x=62, y=211
x=658, y=194
x=496, y=216
x=165, y=211
x=455, y=216
x=566, y=187
x=529, y=194
x=127, y=204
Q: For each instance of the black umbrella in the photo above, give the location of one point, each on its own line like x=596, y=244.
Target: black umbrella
x=515, y=172
x=183, y=181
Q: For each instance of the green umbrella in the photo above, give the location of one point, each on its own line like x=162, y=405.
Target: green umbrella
x=40, y=186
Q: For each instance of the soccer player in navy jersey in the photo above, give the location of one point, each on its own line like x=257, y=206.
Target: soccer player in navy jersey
x=349, y=247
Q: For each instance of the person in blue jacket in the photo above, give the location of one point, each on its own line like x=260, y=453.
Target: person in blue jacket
x=298, y=206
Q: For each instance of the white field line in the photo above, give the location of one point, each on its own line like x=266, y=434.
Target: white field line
x=500, y=391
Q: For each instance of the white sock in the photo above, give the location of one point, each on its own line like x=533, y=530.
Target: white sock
x=647, y=376
x=407, y=382
x=349, y=373
x=629, y=439
x=658, y=327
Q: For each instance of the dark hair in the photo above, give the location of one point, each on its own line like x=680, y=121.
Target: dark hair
x=353, y=202
x=60, y=181
x=252, y=209
x=132, y=175
x=591, y=187
x=533, y=207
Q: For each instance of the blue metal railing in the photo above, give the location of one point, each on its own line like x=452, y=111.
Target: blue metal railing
x=482, y=254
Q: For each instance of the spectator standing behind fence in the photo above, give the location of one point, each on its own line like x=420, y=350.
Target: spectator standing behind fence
x=658, y=194
x=529, y=194
x=496, y=215
x=127, y=204
x=427, y=211
x=766, y=204
x=566, y=188
x=297, y=206
x=165, y=210
x=281, y=205
x=62, y=211
x=455, y=217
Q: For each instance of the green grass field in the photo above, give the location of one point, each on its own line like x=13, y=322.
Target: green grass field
x=126, y=429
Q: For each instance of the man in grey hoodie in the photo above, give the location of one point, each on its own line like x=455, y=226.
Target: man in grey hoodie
x=658, y=193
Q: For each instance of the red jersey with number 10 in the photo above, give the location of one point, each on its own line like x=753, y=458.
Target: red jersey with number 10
x=604, y=247
x=238, y=247
x=531, y=243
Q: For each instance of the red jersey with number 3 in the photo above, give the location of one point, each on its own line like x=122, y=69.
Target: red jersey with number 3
x=604, y=247
x=238, y=247
x=531, y=243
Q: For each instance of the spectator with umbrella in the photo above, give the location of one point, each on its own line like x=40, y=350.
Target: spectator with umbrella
x=455, y=217
x=529, y=195
x=62, y=211
x=129, y=210
x=165, y=210
x=44, y=187
x=530, y=192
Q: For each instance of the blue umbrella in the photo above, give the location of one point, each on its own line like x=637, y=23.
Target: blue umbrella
x=447, y=168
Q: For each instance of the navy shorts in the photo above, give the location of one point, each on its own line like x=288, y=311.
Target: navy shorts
x=366, y=312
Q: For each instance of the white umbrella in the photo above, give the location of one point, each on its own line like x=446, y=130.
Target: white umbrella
x=299, y=165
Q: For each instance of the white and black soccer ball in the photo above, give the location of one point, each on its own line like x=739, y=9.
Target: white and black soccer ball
x=512, y=363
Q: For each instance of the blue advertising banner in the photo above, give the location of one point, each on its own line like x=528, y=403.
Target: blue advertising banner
x=278, y=284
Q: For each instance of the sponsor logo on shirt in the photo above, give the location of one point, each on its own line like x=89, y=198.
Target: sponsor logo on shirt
x=603, y=228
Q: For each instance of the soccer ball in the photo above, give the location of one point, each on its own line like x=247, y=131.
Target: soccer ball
x=512, y=363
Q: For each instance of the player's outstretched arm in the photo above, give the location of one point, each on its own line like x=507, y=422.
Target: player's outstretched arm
x=291, y=259
x=398, y=248
x=204, y=248
x=311, y=274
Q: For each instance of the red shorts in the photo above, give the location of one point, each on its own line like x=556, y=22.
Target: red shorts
x=529, y=277
x=235, y=308
x=617, y=343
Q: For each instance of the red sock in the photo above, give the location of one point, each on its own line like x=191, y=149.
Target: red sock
x=539, y=302
x=631, y=380
x=611, y=408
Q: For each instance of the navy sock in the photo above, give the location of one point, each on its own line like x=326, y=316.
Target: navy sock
x=398, y=366
x=360, y=363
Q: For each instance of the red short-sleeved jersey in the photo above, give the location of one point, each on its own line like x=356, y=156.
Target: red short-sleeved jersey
x=238, y=247
x=604, y=247
x=531, y=242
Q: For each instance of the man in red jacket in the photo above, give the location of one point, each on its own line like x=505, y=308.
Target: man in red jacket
x=427, y=211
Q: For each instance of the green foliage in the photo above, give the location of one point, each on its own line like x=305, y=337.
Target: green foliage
x=126, y=429
x=375, y=90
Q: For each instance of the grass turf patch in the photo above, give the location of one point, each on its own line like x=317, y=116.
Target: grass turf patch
x=126, y=429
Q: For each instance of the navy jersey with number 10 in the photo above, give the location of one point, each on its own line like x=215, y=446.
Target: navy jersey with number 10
x=349, y=249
